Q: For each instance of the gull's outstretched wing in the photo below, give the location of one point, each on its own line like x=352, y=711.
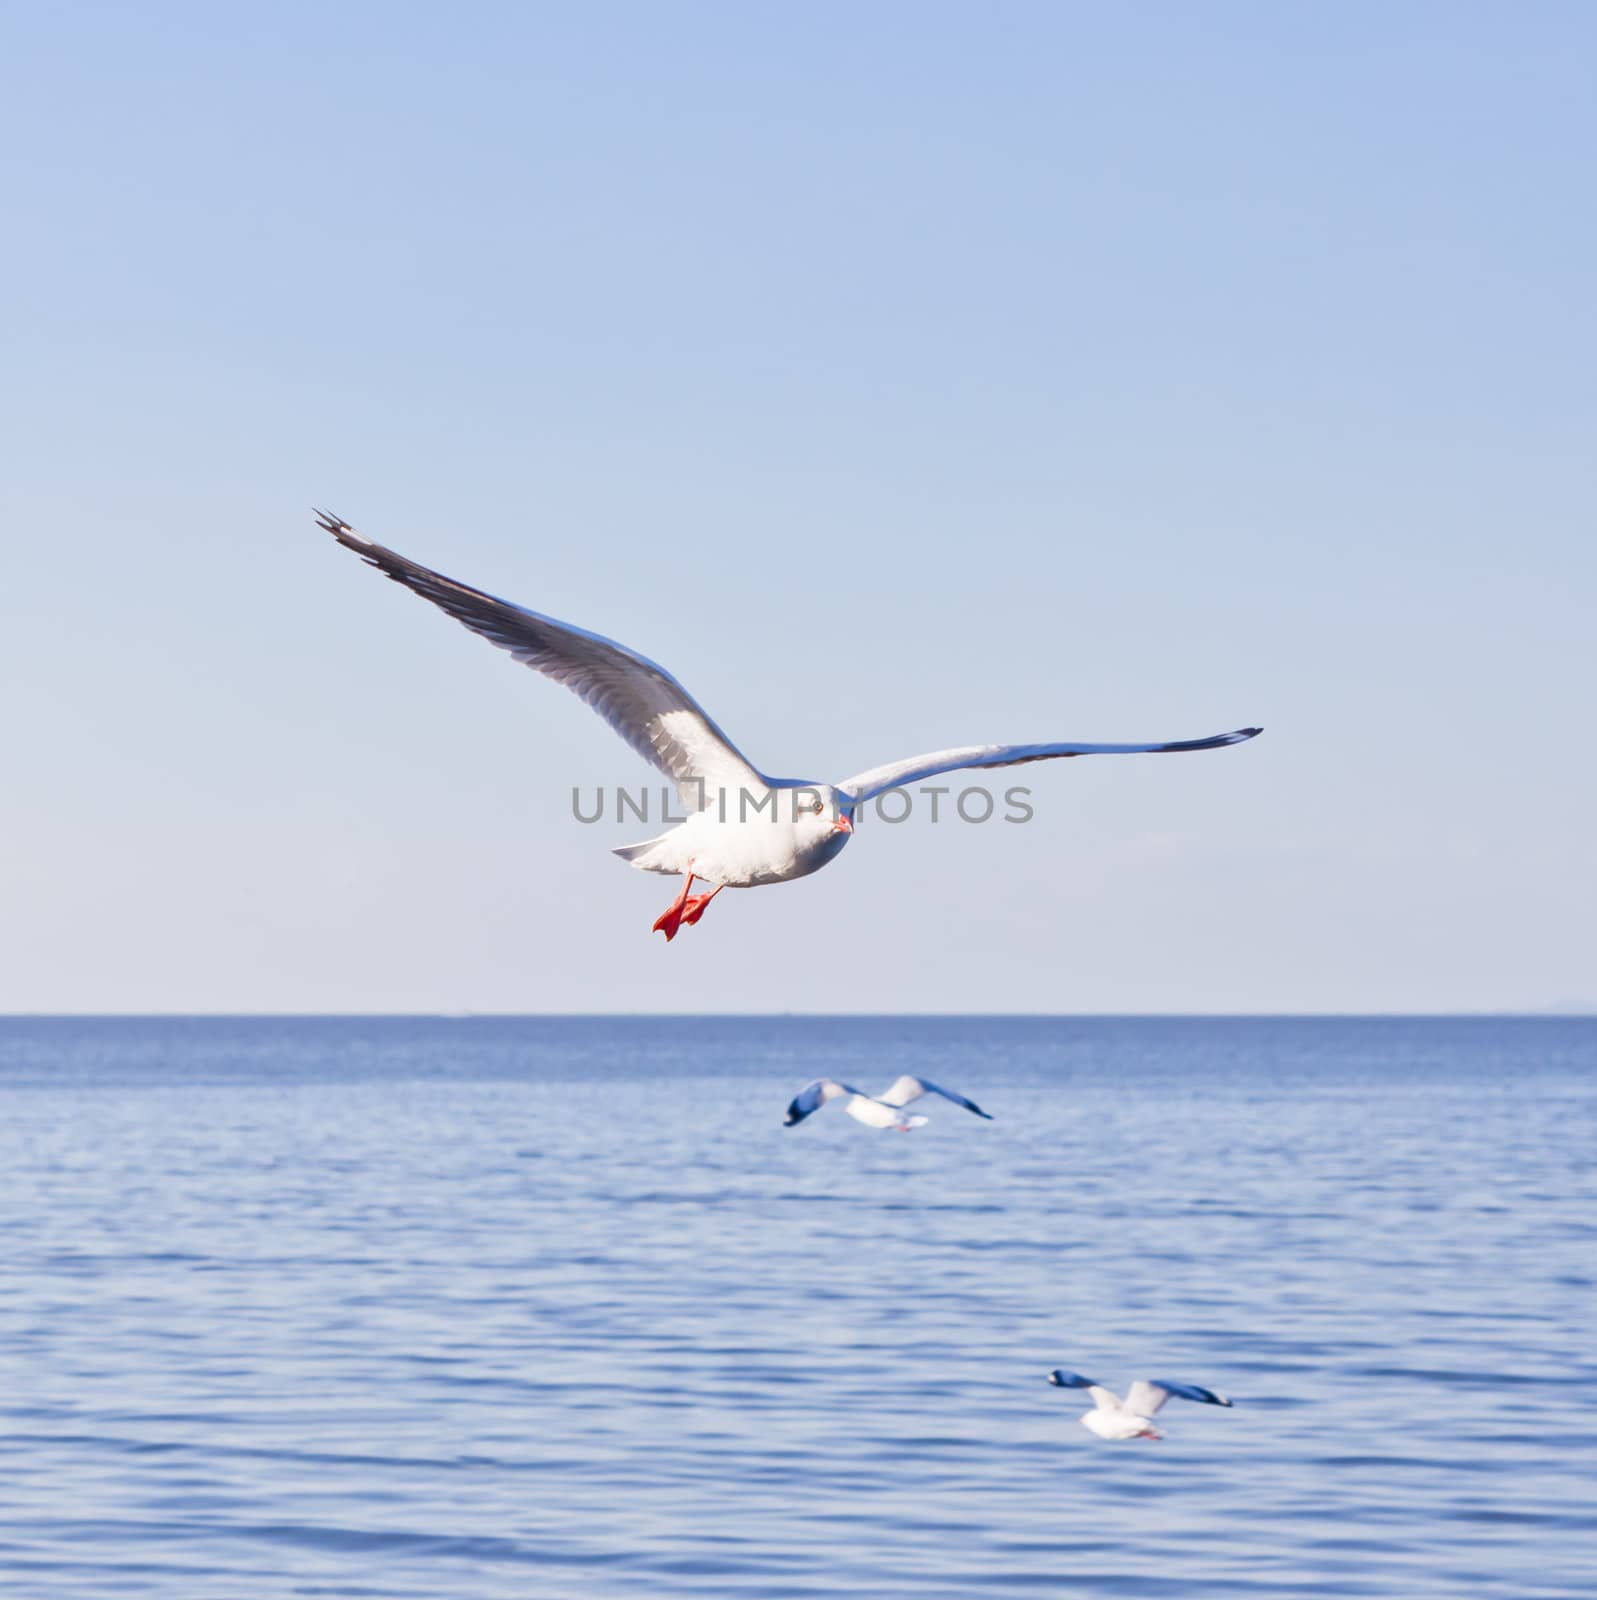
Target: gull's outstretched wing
x=641, y=701
x=1145, y=1398
x=867, y=785
x=813, y=1096
x=1104, y=1399
x=908, y=1088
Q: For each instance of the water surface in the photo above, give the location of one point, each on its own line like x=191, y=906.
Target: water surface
x=555, y=1307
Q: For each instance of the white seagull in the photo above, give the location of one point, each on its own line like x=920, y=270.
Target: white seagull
x=1131, y=1418
x=885, y=1110
x=743, y=829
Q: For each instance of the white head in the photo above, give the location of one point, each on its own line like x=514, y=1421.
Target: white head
x=822, y=818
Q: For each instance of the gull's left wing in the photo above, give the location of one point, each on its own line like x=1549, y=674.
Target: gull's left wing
x=878, y=780
x=1145, y=1398
x=636, y=696
x=815, y=1095
x=908, y=1088
x=1103, y=1399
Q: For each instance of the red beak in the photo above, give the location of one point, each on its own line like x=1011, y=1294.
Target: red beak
x=842, y=824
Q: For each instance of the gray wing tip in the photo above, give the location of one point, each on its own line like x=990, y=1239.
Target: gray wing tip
x=797, y=1110
x=1216, y=741
x=1193, y=1391
x=330, y=522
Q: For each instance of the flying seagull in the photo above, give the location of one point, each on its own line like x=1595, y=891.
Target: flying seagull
x=743, y=829
x=885, y=1110
x=1131, y=1418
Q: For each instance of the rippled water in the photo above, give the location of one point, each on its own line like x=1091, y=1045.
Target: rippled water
x=547, y=1308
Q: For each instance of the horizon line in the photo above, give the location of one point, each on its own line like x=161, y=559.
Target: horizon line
x=1575, y=1014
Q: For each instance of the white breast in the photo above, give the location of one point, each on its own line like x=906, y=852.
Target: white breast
x=742, y=854
x=874, y=1114
x=1115, y=1424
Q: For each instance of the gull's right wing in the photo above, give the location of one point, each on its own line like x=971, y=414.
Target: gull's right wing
x=895, y=774
x=639, y=699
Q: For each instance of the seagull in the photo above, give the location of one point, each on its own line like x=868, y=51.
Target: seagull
x=1131, y=1418
x=743, y=829
x=885, y=1110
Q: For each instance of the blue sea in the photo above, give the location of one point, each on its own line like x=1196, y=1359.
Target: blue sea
x=555, y=1307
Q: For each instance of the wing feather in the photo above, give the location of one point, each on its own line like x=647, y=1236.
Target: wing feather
x=813, y=1096
x=1145, y=1398
x=907, y=1088
x=1103, y=1399
x=636, y=696
x=895, y=774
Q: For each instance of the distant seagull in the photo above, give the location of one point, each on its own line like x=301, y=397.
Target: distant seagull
x=884, y=1110
x=1131, y=1418
x=744, y=829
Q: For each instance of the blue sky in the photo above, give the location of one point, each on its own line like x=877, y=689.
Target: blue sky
x=900, y=376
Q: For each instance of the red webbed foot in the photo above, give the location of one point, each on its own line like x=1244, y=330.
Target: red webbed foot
x=671, y=918
x=694, y=908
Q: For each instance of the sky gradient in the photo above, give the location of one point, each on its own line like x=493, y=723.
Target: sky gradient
x=899, y=377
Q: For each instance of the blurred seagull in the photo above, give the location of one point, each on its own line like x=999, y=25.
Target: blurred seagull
x=743, y=829
x=885, y=1110
x=1131, y=1418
